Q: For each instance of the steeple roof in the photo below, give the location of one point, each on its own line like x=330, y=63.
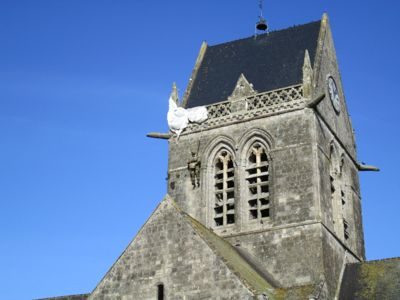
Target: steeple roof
x=268, y=61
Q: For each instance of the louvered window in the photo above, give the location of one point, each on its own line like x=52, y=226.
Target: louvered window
x=257, y=180
x=224, y=206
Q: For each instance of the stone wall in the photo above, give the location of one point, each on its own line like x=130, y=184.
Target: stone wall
x=326, y=65
x=292, y=190
x=292, y=255
x=348, y=183
x=304, y=239
x=334, y=260
x=168, y=251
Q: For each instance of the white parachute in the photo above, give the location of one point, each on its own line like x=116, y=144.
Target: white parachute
x=197, y=114
x=178, y=117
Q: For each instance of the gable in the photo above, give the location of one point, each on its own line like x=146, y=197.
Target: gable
x=269, y=61
x=169, y=250
x=326, y=65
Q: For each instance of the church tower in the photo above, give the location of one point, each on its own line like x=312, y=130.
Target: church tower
x=273, y=170
x=263, y=191
x=263, y=197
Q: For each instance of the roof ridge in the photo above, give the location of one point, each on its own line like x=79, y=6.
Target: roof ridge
x=296, y=26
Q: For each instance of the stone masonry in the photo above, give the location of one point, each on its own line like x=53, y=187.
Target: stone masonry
x=263, y=197
x=298, y=243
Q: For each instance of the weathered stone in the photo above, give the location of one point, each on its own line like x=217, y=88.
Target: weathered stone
x=267, y=206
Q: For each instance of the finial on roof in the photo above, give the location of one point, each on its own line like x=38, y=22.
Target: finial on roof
x=174, y=93
x=242, y=89
x=325, y=18
x=307, y=75
x=262, y=23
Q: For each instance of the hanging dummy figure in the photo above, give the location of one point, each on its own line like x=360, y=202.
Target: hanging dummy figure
x=194, y=165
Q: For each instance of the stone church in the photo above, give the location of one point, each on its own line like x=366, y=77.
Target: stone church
x=263, y=197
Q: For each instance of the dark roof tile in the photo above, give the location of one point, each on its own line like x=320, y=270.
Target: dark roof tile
x=270, y=61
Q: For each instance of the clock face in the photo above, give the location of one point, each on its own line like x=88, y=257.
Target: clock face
x=334, y=94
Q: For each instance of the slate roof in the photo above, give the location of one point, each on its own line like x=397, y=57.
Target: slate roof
x=372, y=280
x=269, y=62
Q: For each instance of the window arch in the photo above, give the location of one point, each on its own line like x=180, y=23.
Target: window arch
x=224, y=189
x=257, y=182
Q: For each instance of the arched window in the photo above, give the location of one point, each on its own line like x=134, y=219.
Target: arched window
x=257, y=180
x=224, y=189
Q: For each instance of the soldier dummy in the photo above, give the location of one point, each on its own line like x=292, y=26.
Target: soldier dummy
x=194, y=170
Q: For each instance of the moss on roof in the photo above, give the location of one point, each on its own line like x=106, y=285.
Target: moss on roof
x=378, y=279
x=294, y=293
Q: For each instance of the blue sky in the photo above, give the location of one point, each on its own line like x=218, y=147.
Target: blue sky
x=83, y=81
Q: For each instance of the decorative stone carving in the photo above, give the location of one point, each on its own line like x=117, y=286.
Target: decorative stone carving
x=261, y=104
x=242, y=89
